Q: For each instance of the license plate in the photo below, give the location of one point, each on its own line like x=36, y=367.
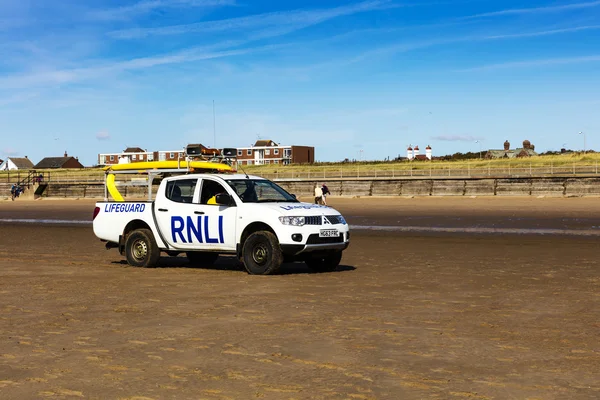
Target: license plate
x=329, y=233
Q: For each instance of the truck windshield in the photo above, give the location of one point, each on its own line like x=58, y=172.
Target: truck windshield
x=260, y=191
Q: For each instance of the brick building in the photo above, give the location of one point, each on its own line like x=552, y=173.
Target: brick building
x=137, y=154
x=269, y=152
x=65, y=161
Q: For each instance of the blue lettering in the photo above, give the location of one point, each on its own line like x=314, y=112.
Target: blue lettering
x=192, y=228
x=221, y=229
x=177, y=229
x=114, y=207
x=206, y=234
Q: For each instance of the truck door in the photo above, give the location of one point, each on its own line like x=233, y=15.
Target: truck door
x=177, y=213
x=219, y=221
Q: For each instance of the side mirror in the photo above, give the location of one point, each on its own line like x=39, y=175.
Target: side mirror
x=293, y=195
x=224, y=199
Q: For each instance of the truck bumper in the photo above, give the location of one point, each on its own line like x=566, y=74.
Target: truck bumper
x=297, y=249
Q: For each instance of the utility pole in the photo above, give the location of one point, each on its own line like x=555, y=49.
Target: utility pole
x=214, y=128
x=477, y=141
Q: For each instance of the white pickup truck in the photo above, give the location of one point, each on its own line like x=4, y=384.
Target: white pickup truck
x=204, y=215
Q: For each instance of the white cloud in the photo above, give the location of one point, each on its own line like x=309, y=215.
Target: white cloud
x=103, y=135
x=147, y=6
x=296, y=19
x=9, y=152
x=535, y=63
x=65, y=76
x=456, y=138
x=538, y=10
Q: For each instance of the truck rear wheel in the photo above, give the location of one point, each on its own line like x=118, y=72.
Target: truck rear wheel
x=202, y=259
x=141, y=249
x=326, y=263
x=262, y=254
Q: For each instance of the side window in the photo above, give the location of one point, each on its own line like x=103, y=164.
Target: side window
x=182, y=190
x=210, y=189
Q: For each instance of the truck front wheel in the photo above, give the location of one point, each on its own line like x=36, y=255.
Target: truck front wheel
x=326, y=263
x=141, y=249
x=262, y=254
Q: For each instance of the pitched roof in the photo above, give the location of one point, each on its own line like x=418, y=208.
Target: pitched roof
x=134, y=150
x=1, y=161
x=54, y=162
x=262, y=143
x=21, y=163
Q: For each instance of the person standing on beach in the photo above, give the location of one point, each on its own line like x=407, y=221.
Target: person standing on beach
x=325, y=191
x=318, y=195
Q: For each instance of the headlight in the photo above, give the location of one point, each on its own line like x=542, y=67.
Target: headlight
x=295, y=221
x=342, y=220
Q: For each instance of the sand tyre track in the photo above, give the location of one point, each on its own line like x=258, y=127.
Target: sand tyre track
x=326, y=263
x=262, y=254
x=201, y=258
x=141, y=249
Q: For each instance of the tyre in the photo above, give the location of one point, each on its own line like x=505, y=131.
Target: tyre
x=202, y=259
x=262, y=254
x=326, y=263
x=141, y=249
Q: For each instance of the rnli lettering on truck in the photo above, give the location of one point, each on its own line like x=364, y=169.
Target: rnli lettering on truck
x=198, y=231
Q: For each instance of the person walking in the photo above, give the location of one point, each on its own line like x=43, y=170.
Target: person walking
x=325, y=191
x=318, y=194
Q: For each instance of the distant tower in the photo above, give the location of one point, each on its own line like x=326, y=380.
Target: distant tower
x=507, y=145
x=416, y=151
x=428, y=152
x=409, y=153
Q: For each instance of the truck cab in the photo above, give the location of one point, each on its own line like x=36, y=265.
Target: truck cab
x=205, y=215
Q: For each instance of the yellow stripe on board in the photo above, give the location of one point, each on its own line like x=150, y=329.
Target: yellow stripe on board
x=112, y=188
x=146, y=165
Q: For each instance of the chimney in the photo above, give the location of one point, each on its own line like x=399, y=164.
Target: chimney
x=26, y=157
x=66, y=154
x=507, y=145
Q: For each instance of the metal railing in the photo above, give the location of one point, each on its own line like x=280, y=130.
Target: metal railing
x=358, y=171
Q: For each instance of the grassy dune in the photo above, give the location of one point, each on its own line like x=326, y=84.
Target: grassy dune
x=566, y=163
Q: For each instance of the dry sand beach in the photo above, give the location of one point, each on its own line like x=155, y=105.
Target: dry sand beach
x=408, y=315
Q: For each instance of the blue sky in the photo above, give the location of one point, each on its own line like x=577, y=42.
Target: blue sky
x=344, y=76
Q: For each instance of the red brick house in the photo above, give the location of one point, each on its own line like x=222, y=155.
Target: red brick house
x=269, y=152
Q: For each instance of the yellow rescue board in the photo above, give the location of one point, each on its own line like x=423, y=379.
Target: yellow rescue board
x=146, y=165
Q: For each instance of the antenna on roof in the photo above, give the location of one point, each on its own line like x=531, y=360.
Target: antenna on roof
x=214, y=128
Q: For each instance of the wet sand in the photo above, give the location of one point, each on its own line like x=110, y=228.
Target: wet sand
x=406, y=316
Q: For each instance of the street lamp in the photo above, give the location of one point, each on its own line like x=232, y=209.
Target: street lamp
x=477, y=141
x=583, y=133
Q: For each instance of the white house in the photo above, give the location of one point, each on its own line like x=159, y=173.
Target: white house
x=15, y=163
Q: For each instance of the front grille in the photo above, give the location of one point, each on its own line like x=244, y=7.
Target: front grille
x=315, y=239
x=313, y=220
x=334, y=219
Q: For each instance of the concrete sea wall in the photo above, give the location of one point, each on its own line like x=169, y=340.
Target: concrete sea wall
x=529, y=186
